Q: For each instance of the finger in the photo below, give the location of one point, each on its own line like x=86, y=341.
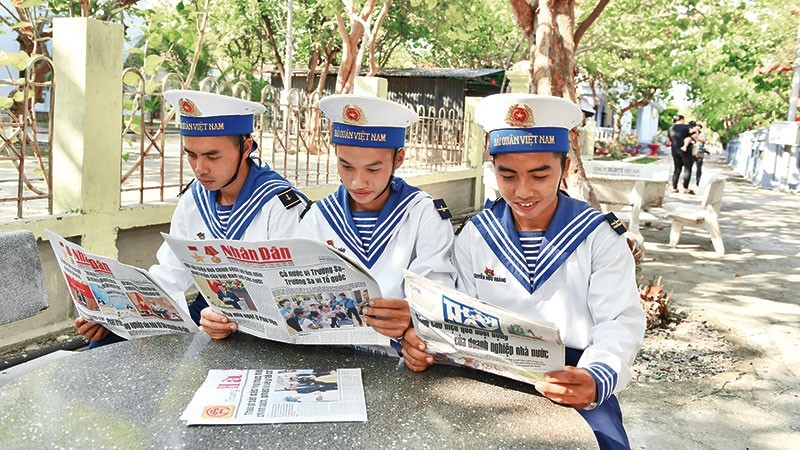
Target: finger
x=79, y=322
x=416, y=360
x=388, y=303
x=398, y=325
x=210, y=314
x=411, y=338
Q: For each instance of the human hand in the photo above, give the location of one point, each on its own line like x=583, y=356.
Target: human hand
x=637, y=250
x=93, y=332
x=388, y=316
x=414, y=354
x=215, y=324
x=572, y=386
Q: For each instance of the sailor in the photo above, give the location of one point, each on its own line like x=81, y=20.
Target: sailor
x=233, y=196
x=376, y=218
x=551, y=258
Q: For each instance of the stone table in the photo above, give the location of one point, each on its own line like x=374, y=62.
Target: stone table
x=131, y=395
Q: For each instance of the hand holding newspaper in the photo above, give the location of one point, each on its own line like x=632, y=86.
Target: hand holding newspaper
x=457, y=328
x=122, y=298
x=297, y=290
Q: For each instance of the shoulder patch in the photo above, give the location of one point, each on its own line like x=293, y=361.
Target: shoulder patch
x=615, y=223
x=289, y=198
x=442, y=209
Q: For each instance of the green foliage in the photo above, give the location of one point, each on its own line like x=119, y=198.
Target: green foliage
x=665, y=118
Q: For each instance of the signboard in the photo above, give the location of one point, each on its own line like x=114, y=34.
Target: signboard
x=784, y=133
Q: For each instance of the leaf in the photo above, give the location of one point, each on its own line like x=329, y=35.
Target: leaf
x=20, y=60
x=151, y=86
x=126, y=156
x=152, y=63
x=6, y=102
x=19, y=96
x=21, y=25
x=135, y=51
x=31, y=3
x=131, y=79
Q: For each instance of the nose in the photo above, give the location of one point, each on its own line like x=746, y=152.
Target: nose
x=200, y=166
x=359, y=180
x=525, y=188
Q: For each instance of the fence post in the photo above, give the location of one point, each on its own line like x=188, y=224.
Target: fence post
x=87, y=124
x=519, y=78
x=475, y=136
x=373, y=86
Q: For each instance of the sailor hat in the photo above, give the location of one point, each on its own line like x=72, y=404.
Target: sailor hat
x=367, y=121
x=207, y=114
x=525, y=123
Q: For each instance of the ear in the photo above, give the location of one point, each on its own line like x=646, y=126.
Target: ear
x=401, y=156
x=567, y=164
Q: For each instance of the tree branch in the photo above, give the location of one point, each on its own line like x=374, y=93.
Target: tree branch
x=583, y=26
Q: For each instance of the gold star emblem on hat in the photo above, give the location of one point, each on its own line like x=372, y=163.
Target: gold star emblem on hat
x=520, y=115
x=353, y=115
x=188, y=108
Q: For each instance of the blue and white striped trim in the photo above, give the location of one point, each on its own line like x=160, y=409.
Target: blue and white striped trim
x=556, y=250
x=335, y=215
x=502, y=246
x=241, y=215
x=605, y=378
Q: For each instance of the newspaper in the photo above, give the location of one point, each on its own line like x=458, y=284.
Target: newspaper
x=230, y=397
x=124, y=299
x=297, y=290
x=459, y=329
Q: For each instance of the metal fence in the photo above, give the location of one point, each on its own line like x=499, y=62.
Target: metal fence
x=26, y=137
x=293, y=137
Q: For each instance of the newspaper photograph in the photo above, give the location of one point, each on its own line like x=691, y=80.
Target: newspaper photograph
x=459, y=329
x=235, y=397
x=122, y=298
x=297, y=290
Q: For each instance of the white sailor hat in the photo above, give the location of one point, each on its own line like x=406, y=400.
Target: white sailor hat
x=207, y=114
x=525, y=123
x=367, y=121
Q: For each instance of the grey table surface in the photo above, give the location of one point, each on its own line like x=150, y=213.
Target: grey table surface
x=131, y=395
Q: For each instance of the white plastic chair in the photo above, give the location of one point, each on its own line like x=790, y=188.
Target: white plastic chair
x=705, y=215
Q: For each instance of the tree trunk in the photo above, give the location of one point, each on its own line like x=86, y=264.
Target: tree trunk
x=549, y=26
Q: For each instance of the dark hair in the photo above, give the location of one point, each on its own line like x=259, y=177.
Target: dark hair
x=677, y=117
x=692, y=124
x=298, y=311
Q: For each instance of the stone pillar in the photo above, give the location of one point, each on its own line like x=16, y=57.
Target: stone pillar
x=519, y=78
x=87, y=123
x=477, y=139
x=371, y=86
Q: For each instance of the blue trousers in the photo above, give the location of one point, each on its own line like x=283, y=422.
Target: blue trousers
x=606, y=419
x=194, y=310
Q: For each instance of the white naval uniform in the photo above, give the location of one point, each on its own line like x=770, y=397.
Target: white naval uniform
x=258, y=215
x=584, y=282
x=410, y=234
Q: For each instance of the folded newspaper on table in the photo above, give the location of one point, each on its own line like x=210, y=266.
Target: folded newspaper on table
x=290, y=290
x=230, y=397
x=459, y=329
x=124, y=299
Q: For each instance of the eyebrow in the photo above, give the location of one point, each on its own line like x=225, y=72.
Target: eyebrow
x=534, y=170
x=372, y=164
x=210, y=152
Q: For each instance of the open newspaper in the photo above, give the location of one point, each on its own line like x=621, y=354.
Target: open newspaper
x=290, y=290
x=123, y=298
x=230, y=397
x=457, y=328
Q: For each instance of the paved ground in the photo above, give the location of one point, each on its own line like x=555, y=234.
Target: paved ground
x=752, y=296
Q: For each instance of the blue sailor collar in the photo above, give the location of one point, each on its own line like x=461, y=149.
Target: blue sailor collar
x=261, y=185
x=336, y=210
x=572, y=223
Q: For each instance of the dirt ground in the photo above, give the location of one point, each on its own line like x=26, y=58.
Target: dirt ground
x=743, y=323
